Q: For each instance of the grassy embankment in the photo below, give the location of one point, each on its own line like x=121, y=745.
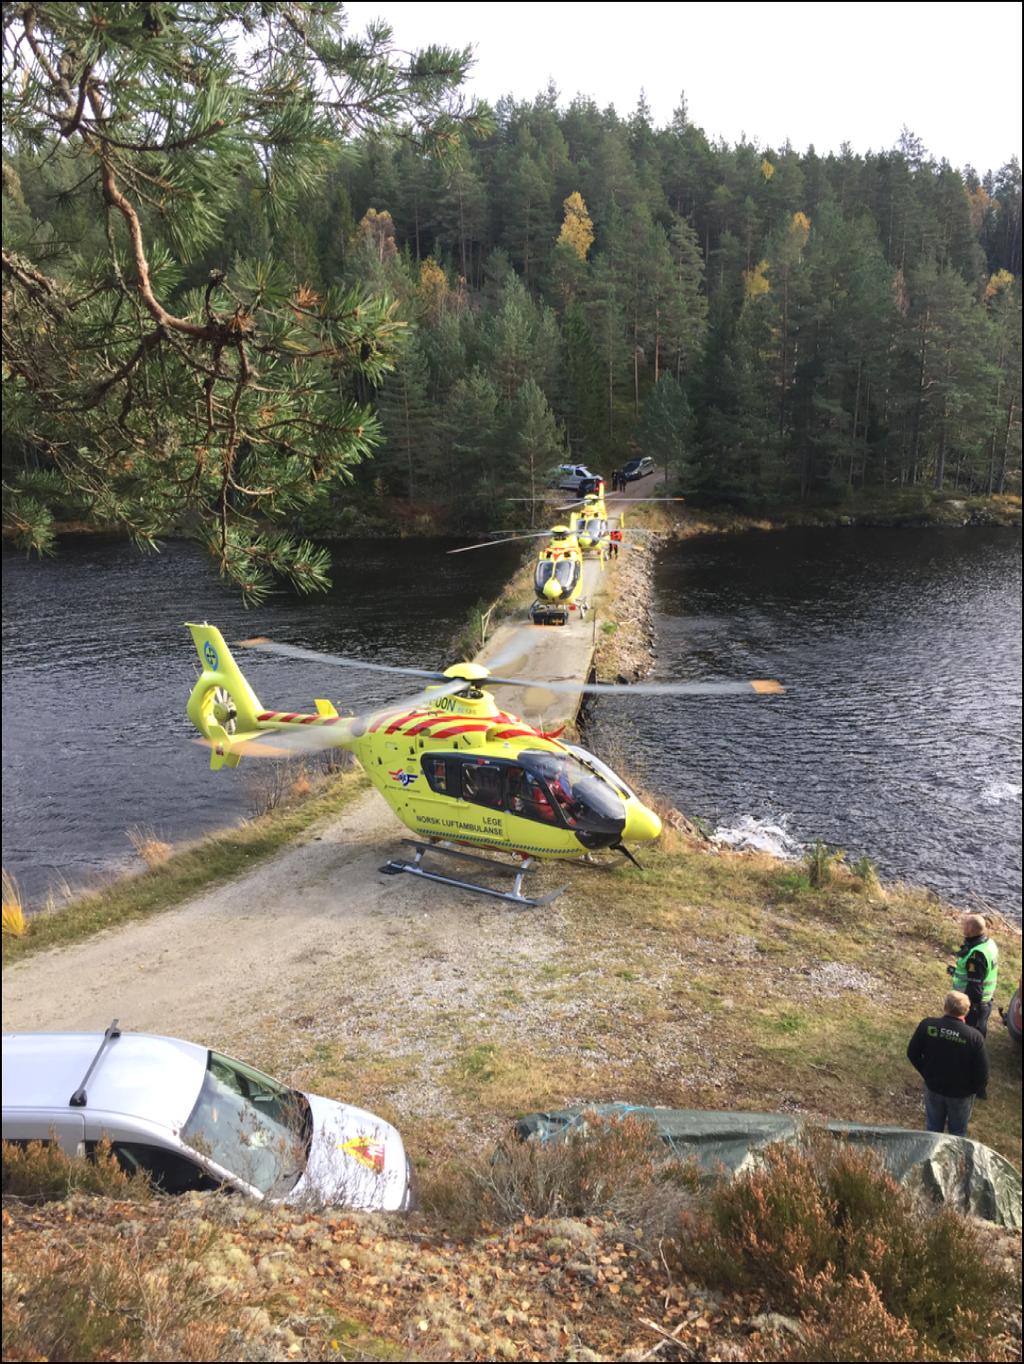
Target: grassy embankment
x=183, y=872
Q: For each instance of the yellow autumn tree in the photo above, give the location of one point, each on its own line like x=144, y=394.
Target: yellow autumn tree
x=577, y=227
x=767, y=169
x=755, y=282
x=980, y=203
x=1002, y=279
x=799, y=230
x=432, y=288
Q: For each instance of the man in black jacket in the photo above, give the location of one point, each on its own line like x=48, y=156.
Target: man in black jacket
x=951, y=1058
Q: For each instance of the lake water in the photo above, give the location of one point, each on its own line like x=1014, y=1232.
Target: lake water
x=899, y=736
x=97, y=670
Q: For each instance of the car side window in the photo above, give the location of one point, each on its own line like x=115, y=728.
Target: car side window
x=170, y=1171
x=481, y=784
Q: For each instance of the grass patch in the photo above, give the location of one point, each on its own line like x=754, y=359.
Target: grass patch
x=491, y=1078
x=184, y=873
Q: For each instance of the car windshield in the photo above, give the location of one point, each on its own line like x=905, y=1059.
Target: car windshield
x=250, y=1125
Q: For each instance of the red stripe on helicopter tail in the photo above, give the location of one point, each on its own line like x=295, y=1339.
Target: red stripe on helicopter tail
x=267, y=715
x=310, y=719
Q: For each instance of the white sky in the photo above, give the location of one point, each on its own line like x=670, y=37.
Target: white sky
x=821, y=73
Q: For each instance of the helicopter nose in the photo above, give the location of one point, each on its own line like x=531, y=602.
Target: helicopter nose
x=552, y=589
x=642, y=825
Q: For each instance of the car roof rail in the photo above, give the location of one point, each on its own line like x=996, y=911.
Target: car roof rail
x=78, y=1099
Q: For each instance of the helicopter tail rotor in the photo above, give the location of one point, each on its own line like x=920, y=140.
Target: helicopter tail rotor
x=222, y=703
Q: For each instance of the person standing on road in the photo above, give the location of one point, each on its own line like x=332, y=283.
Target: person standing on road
x=951, y=1058
x=976, y=970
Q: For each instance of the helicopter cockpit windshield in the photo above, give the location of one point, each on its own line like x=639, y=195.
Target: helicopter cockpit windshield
x=595, y=528
x=564, y=571
x=575, y=795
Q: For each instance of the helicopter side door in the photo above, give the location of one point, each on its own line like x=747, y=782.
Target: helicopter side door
x=471, y=802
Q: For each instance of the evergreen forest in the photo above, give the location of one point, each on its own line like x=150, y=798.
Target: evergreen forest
x=265, y=279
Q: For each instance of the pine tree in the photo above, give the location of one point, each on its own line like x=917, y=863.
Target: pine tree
x=154, y=396
x=665, y=430
x=532, y=440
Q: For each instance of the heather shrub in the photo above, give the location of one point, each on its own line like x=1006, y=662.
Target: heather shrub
x=126, y=1303
x=821, y=1225
x=42, y=1170
x=855, y=1326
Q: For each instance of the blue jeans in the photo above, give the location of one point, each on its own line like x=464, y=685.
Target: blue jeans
x=940, y=1111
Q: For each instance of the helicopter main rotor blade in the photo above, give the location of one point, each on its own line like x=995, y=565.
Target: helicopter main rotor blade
x=758, y=687
x=267, y=646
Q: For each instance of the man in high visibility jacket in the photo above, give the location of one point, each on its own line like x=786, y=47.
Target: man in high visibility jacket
x=976, y=970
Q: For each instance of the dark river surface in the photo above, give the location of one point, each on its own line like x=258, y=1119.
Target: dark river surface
x=899, y=736
x=97, y=671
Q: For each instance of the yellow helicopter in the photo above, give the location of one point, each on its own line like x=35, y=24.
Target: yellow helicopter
x=452, y=765
x=557, y=575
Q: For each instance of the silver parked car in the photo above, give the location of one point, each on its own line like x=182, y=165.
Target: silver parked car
x=191, y=1118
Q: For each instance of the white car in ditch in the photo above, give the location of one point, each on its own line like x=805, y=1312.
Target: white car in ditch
x=191, y=1118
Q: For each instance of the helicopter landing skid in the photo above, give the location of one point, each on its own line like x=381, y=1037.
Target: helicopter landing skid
x=514, y=896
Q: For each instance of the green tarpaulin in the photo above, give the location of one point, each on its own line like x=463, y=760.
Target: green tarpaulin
x=955, y=1170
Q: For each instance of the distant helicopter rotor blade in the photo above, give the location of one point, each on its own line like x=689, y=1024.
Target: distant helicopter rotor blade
x=489, y=544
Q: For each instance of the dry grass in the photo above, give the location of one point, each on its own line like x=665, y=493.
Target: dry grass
x=153, y=851
x=14, y=922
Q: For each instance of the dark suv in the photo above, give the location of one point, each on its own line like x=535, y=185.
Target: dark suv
x=638, y=468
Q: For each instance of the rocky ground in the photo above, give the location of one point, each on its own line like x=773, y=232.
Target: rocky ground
x=216, y=1279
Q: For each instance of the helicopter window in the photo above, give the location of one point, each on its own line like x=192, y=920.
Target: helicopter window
x=436, y=772
x=481, y=784
x=602, y=769
x=567, y=571
x=595, y=528
x=585, y=799
x=529, y=797
x=542, y=573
